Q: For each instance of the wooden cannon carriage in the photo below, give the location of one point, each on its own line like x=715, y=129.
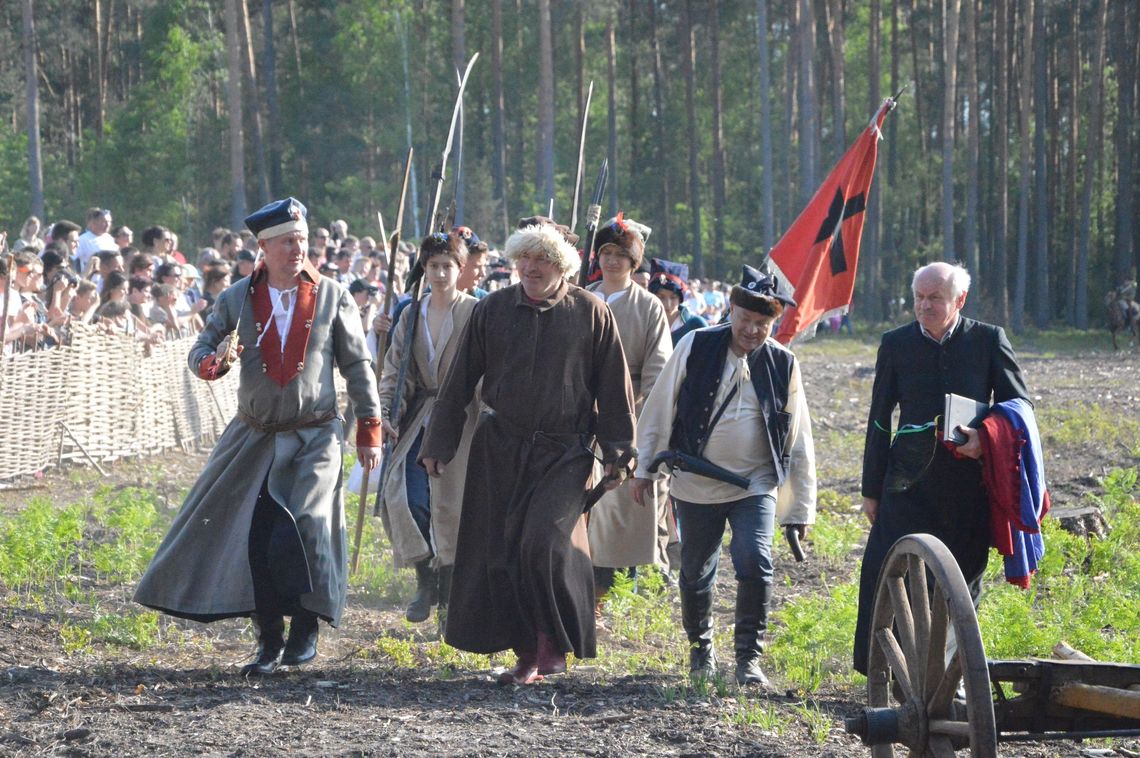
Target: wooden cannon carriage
x=926, y=646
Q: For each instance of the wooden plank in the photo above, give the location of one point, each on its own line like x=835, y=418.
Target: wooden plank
x=1090, y=697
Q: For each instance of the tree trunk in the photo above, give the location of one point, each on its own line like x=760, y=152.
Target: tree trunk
x=838, y=42
x=1042, y=306
x=1000, y=285
x=544, y=180
x=634, y=126
x=296, y=48
x=659, y=124
x=611, y=110
x=809, y=132
x=1090, y=172
x=767, y=211
x=459, y=59
x=950, y=10
x=888, y=265
x=973, y=139
x=1025, y=82
x=32, y=99
x=690, y=62
x=251, y=77
x=1072, y=207
x=500, y=160
x=234, y=106
x=269, y=70
x=414, y=200
x=871, y=253
x=1123, y=35
x=100, y=81
x=718, y=177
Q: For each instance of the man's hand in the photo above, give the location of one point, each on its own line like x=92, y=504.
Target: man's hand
x=870, y=508
x=434, y=466
x=228, y=350
x=640, y=488
x=972, y=447
x=801, y=530
x=390, y=432
x=382, y=323
x=369, y=457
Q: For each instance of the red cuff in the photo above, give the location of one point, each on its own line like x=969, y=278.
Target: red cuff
x=368, y=432
x=210, y=368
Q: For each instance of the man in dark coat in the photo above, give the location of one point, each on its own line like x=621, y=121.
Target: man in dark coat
x=554, y=382
x=262, y=533
x=916, y=484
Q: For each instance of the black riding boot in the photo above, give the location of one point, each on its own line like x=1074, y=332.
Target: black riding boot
x=444, y=591
x=427, y=591
x=302, y=644
x=752, y=596
x=270, y=641
x=696, y=617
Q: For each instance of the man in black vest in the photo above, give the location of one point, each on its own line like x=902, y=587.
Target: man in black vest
x=915, y=484
x=732, y=397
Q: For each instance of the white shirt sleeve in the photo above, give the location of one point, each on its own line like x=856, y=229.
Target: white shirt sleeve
x=796, y=499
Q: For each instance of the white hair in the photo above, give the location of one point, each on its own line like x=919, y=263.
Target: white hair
x=547, y=241
x=954, y=273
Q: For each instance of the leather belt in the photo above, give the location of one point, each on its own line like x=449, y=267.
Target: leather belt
x=287, y=426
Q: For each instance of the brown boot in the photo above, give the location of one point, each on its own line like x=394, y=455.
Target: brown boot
x=551, y=660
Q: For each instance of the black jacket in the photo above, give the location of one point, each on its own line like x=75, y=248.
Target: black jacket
x=914, y=373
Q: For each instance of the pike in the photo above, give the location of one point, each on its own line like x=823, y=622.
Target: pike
x=415, y=280
x=581, y=157
x=7, y=288
x=593, y=214
x=393, y=249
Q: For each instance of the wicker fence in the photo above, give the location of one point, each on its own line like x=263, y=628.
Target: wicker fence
x=103, y=398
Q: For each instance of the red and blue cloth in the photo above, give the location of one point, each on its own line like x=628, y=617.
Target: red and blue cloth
x=1013, y=471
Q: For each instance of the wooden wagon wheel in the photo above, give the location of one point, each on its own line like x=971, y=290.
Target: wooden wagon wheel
x=909, y=645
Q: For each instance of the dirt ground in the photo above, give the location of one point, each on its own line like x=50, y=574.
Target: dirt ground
x=187, y=698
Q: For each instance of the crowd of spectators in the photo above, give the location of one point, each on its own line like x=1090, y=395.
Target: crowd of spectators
x=62, y=274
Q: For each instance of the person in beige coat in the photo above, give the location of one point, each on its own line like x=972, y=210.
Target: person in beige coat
x=622, y=533
x=422, y=519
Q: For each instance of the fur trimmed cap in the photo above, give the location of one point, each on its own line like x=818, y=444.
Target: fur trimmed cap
x=566, y=232
x=549, y=242
x=759, y=292
x=626, y=234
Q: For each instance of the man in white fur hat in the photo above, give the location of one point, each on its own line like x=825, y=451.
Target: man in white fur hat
x=554, y=383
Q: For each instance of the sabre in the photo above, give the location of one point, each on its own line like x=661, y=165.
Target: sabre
x=593, y=214
x=415, y=277
x=231, y=351
x=581, y=157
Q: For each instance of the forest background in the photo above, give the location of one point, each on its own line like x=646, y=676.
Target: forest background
x=1012, y=149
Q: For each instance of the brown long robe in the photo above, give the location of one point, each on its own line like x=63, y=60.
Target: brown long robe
x=554, y=379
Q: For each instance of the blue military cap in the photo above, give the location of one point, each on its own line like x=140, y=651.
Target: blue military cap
x=277, y=218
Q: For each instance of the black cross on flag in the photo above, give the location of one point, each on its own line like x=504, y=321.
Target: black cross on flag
x=832, y=227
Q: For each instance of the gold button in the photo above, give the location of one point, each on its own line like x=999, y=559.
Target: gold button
x=300, y=366
x=258, y=325
x=264, y=368
x=309, y=324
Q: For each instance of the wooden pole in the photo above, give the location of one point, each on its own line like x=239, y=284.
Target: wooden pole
x=360, y=517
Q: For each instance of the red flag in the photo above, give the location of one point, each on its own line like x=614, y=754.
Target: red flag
x=819, y=252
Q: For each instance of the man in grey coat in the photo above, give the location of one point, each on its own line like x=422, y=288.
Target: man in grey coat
x=262, y=532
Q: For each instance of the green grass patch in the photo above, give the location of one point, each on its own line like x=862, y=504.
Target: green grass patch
x=1087, y=425
x=812, y=643
x=838, y=529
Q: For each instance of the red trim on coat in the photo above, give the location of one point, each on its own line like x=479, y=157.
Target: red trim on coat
x=368, y=432
x=283, y=368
